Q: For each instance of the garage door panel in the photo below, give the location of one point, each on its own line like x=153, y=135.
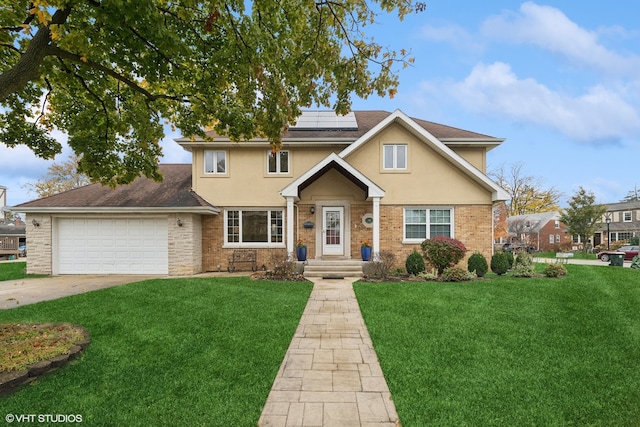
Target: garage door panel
x=112, y=246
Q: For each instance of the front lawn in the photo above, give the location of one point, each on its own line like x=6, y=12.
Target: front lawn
x=167, y=352
x=15, y=271
x=508, y=351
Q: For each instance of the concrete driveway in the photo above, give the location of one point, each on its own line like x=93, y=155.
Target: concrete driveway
x=14, y=293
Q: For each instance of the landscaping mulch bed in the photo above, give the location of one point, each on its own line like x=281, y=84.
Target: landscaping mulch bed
x=28, y=351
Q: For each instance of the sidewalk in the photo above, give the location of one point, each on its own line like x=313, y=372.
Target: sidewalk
x=330, y=375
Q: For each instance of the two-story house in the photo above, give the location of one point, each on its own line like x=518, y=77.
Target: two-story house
x=338, y=181
x=543, y=231
x=620, y=223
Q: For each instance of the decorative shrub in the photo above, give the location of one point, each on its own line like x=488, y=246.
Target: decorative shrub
x=510, y=259
x=456, y=274
x=478, y=263
x=383, y=265
x=500, y=262
x=523, y=266
x=414, y=263
x=555, y=270
x=429, y=275
x=443, y=252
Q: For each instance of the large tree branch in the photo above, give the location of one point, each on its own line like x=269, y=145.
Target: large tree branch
x=63, y=54
x=28, y=66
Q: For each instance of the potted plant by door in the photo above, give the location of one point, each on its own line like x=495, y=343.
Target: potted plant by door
x=365, y=251
x=301, y=251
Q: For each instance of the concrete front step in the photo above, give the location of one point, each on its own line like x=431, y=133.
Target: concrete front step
x=333, y=268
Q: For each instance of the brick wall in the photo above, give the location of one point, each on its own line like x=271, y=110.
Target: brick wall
x=472, y=226
x=214, y=256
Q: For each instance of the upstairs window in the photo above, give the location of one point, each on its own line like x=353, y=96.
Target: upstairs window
x=626, y=216
x=215, y=161
x=278, y=162
x=395, y=156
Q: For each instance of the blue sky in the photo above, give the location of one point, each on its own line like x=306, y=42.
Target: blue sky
x=559, y=80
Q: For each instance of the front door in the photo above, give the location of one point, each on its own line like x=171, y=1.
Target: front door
x=332, y=231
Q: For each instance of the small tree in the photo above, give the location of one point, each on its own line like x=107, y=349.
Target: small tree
x=442, y=252
x=583, y=216
x=478, y=263
x=414, y=263
x=500, y=263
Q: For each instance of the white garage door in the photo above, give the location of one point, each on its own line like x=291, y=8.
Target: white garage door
x=112, y=246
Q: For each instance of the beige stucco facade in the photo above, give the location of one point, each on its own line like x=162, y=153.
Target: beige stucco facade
x=435, y=177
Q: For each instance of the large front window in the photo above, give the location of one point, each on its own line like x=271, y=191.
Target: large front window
x=425, y=223
x=250, y=226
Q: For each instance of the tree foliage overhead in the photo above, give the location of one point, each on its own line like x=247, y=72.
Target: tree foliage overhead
x=527, y=193
x=112, y=73
x=583, y=216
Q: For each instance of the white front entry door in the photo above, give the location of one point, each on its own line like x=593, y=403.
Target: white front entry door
x=333, y=231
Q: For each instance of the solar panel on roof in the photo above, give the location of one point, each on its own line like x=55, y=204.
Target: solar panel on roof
x=325, y=120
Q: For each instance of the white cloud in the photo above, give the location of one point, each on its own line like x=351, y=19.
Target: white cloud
x=598, y=114
x=453, y=34
x=550, y=29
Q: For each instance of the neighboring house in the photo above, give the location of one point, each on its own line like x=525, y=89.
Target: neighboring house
x=12, y=237
x=621, y=221
x=370, y=176
x=544, y=231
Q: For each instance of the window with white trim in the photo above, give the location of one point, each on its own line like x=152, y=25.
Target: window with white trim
x=557, y=238
x=254, y=226
x=425, y=223
x=556, y=224
x=626, y=216
x=278, y=162
x=394, y=156
x=215, y=161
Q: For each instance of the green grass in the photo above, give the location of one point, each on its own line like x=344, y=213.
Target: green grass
x=192, y=352
x=14, y=271
x=508, y=351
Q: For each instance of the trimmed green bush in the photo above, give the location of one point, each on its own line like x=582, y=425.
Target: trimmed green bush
x=456, y=274
x=500, y=262
x=414, y=263
x=442, y=252
x=523, y=266
x=555, y=270
x=478, y=263
x=510, y=259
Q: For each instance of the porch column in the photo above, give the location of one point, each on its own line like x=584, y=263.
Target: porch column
x=376, y=228
x=290, y=223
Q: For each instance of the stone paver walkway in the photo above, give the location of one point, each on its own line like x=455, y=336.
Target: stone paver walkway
x=330, y=375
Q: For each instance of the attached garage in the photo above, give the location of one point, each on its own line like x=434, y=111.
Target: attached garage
x=145, y=228
x=111, y=246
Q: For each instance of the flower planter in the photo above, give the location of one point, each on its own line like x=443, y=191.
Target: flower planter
x=301, y=253
x=365, y=251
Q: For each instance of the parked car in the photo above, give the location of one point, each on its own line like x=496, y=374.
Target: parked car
x=518, y=247
x=629, y=253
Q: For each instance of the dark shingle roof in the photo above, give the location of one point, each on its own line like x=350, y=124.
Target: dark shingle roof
x=369, y=119
x=173, y=192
